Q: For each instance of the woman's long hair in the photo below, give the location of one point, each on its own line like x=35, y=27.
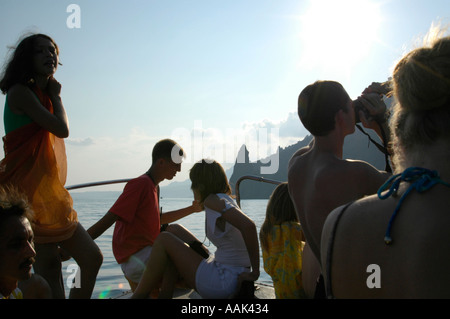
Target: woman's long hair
x=280, y=209
x=208, y=177
x=20, y=68
x=422, y=88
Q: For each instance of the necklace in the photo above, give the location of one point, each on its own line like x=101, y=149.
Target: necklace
x=421, y=180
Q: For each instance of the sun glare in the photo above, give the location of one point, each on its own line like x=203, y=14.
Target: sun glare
x=338, y=34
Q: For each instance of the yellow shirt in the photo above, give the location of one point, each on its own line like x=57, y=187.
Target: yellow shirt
x=16, y=294
x=283, y=260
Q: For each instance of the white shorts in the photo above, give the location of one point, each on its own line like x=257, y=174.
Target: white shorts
x=214, y=280
x=135, y=266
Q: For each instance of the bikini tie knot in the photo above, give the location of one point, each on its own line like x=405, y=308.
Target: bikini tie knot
x=420, y=179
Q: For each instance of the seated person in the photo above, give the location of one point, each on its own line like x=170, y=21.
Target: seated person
x=137, y=216
x=227, y=227
x=16, y=242
x=282, y=245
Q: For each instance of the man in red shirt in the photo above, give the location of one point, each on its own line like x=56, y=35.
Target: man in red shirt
x=137, y=215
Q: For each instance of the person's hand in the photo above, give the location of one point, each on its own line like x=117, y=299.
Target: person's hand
x=64, y=255
x=246, y=276
x=380, y=88
x=196, y=206
x=375, y=107
x=53, y=87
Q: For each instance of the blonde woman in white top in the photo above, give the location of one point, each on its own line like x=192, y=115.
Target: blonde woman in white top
x=237, y=255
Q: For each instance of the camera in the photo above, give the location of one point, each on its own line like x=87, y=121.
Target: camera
x=382, y=89
x=358, y=106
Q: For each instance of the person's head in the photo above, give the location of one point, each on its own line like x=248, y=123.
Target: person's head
x=16, y=236
x=35, y=55
x=280, y=209
x=167, y=157
x=422, y=89
x=318, y=105
x=208, y=177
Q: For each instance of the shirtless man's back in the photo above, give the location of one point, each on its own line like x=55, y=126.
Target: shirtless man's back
x=320, y=180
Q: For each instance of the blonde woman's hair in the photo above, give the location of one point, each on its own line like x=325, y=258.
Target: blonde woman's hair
x=421, y=83
x=280, y=209
x=208, y=177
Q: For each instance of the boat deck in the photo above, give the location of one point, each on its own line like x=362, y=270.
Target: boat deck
x=262, y=291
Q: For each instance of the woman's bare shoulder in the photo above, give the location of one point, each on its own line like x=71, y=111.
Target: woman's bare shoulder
x=19, y=97
x=214, y=202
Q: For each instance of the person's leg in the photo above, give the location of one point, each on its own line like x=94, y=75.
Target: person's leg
x=89, y=259
x=170, y=279
x=166, y=248
x=134, y=267
x=185, y=235
x=132, y=284
x=48, y=265
x=181, y=232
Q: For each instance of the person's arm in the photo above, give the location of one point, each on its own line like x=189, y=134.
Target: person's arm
x=383, y=88
x=247, y=228
x=54, y=91
x=102, y=225
x=170, y=217
x=374, y=104
x=23, y=101
x=367, y=177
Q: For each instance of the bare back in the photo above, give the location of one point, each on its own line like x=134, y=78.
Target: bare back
x=320, y=182
x=415, y=265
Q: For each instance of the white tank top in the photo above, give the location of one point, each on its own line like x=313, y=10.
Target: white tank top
x=231, y=249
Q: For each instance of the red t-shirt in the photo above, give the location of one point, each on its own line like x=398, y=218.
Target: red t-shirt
x=139, y=223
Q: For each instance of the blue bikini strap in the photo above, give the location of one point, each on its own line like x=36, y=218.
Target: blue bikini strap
x=421, y=180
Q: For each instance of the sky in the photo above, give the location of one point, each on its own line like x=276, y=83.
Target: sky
x=210, y=74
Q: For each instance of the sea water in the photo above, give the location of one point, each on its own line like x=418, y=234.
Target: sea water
x=93, y=205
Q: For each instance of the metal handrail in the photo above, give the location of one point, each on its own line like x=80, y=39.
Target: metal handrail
x=237, y=187
x=253, y=178
x=116, y=181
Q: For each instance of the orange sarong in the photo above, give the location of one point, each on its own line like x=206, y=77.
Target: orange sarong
x=35, y=162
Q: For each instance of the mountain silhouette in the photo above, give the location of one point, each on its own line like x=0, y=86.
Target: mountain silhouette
x=356, y=146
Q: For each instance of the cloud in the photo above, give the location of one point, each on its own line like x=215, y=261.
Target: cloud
x=79, y=142
x=290, y=130
x=106, y=158
x=261, y=138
